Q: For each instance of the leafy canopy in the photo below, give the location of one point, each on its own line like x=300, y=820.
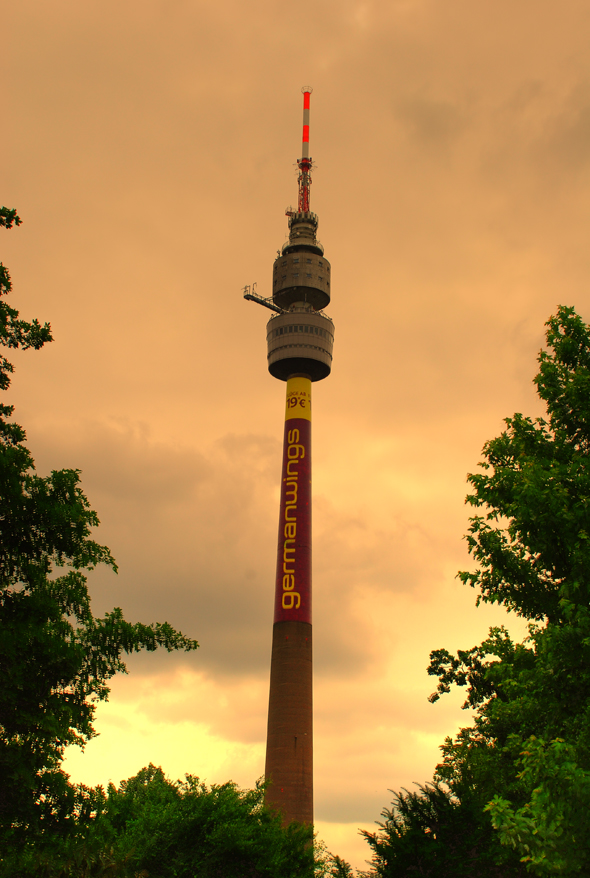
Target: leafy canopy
x=187, y=828
x=56, y=658
x=152, y=826
x=532, y=545
x=519, y=775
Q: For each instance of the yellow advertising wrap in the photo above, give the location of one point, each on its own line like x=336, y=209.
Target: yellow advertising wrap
x=298, y=399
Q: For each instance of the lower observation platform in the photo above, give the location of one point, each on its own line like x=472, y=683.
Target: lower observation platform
x=300, y=341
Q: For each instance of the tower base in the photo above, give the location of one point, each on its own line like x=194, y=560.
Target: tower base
x=289, y=749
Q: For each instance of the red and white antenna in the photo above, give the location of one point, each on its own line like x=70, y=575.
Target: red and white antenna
x=304, y=162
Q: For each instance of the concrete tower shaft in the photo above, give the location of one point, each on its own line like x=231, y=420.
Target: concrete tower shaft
x=289, y=742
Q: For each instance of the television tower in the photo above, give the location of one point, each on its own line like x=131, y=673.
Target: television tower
x=300, y=338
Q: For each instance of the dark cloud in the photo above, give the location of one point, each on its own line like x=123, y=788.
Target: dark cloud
x=435, y=124
x=194, y=537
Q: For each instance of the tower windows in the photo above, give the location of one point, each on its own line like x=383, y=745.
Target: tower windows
x=309, y=329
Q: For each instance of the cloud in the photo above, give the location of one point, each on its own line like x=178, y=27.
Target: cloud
x=151, y=149
x=433, y=123
x=194, y=534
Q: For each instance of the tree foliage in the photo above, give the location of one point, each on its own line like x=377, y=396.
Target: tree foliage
x=152, y=826
x=188, y=828
x=521, y=770
x=56, y=658
x=532, y=544
x=550, y=830
x=432, y=832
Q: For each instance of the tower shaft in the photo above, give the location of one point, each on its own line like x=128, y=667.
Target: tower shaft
x=289, y=747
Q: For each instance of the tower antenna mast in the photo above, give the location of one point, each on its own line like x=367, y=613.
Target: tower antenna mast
x=305, y=163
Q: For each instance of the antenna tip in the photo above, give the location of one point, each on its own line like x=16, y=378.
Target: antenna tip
x=307, y=89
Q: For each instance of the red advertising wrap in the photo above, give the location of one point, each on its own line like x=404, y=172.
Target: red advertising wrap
x=293, y=583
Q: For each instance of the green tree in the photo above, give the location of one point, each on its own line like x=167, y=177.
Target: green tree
x=187, y=828
x=432, y=832
x=532, y=545
x=530, y=539
x=533, y=555
x=152, y=826
x=339, y=868
x=550, y=830
x=55, y=657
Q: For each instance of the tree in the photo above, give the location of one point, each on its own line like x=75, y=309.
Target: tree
x=152, y=826
x=550, y=831
x=532, y=700
x=187, y=828
x=339, y=868
x=432, y=832
x=55, y=657
x=520, y=772
x=532, y=545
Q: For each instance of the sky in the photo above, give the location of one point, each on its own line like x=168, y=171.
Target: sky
x=150, y=149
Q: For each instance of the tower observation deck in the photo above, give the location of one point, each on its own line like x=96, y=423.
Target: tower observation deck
x=300, y=341
x=301, y=338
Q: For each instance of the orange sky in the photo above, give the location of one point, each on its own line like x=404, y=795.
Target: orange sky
x=149, y=148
